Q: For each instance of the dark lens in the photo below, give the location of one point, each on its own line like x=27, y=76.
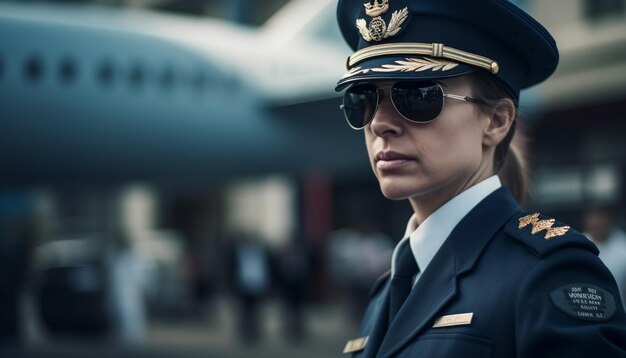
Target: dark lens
x=359, y=105
x=417, y=101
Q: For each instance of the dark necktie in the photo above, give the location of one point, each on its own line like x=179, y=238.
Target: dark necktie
x=402, y=280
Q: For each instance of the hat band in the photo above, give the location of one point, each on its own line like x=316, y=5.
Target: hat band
x=414, y=48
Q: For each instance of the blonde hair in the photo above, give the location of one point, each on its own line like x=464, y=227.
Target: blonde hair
x=514, y=172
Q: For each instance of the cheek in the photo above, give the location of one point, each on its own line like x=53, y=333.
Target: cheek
x=455, y=147
x=369, y=143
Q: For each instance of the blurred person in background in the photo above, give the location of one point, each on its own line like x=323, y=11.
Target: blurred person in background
x=127, y=271
x=200, y=267
x=294, y=268
x=251, y=278
x=16, y=240
x=434, y=85
x=600, y=226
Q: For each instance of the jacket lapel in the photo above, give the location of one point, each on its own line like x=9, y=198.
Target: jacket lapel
x=376, y=326
x=435, y=288
x=438, y=283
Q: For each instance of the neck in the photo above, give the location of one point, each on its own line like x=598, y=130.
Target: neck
x=427, y=203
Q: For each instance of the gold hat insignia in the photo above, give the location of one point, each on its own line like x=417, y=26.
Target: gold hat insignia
x=378, y=29
x=376, y=9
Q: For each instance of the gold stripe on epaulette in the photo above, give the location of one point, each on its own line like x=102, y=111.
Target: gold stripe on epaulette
x=541, y=225
x=425, y=49
x=527, y=220
x=556, y=231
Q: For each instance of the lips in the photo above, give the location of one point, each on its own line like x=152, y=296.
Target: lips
x=389, y=160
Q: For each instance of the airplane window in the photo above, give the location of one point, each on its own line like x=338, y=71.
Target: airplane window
x=137, y=75
x=105, y=73
x=199, y=81
x=167, y=78
x=67, y=71
x=33, y=69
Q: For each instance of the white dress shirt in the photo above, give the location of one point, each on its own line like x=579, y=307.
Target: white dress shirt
x=427, y=238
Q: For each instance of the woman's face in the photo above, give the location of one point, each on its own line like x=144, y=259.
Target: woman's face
x=440, y=158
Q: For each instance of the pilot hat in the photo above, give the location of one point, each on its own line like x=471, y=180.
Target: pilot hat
x=436, y=39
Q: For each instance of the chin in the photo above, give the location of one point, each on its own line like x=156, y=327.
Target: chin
x=395, y=191
x=394, y=196
x=399, y=188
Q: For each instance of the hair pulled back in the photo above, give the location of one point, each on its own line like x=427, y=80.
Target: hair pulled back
x=509, y=160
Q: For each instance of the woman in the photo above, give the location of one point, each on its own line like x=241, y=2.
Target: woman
x=434, y=85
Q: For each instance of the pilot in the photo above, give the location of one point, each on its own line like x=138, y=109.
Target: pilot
x=434, y=85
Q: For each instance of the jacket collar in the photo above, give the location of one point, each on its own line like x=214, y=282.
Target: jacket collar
x=438, y=283
x=430, y=235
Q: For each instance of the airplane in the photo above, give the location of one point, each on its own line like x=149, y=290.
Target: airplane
x=94, y=94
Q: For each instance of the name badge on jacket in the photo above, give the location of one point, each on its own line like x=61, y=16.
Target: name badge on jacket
x=355, y=345
x=461, y=319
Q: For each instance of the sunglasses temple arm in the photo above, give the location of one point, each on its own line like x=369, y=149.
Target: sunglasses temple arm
x=463, y=98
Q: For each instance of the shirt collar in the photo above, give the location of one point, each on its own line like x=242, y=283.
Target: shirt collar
x=427, y=238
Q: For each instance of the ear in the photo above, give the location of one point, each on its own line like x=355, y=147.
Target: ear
x=500, y=120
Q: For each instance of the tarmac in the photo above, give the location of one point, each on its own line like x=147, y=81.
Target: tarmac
x=327, y=328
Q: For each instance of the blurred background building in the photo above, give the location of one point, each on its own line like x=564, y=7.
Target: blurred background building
x=148, y=145
x=578, y=149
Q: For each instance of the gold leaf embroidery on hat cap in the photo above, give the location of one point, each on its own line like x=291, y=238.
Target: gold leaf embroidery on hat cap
x=377, y=29
x=417, y=65
x=355, y=71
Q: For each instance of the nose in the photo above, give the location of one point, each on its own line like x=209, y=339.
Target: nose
x=387, y=121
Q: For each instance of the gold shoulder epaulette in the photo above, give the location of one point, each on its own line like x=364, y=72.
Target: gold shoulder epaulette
x=540, y=225
x=543, y=235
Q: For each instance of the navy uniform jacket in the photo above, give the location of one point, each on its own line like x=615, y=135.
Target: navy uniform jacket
x=529, y=296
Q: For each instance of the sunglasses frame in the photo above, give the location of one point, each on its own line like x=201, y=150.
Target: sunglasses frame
x=378, y=97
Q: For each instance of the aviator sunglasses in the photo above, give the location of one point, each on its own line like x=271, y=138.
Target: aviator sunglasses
x=415, y=101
